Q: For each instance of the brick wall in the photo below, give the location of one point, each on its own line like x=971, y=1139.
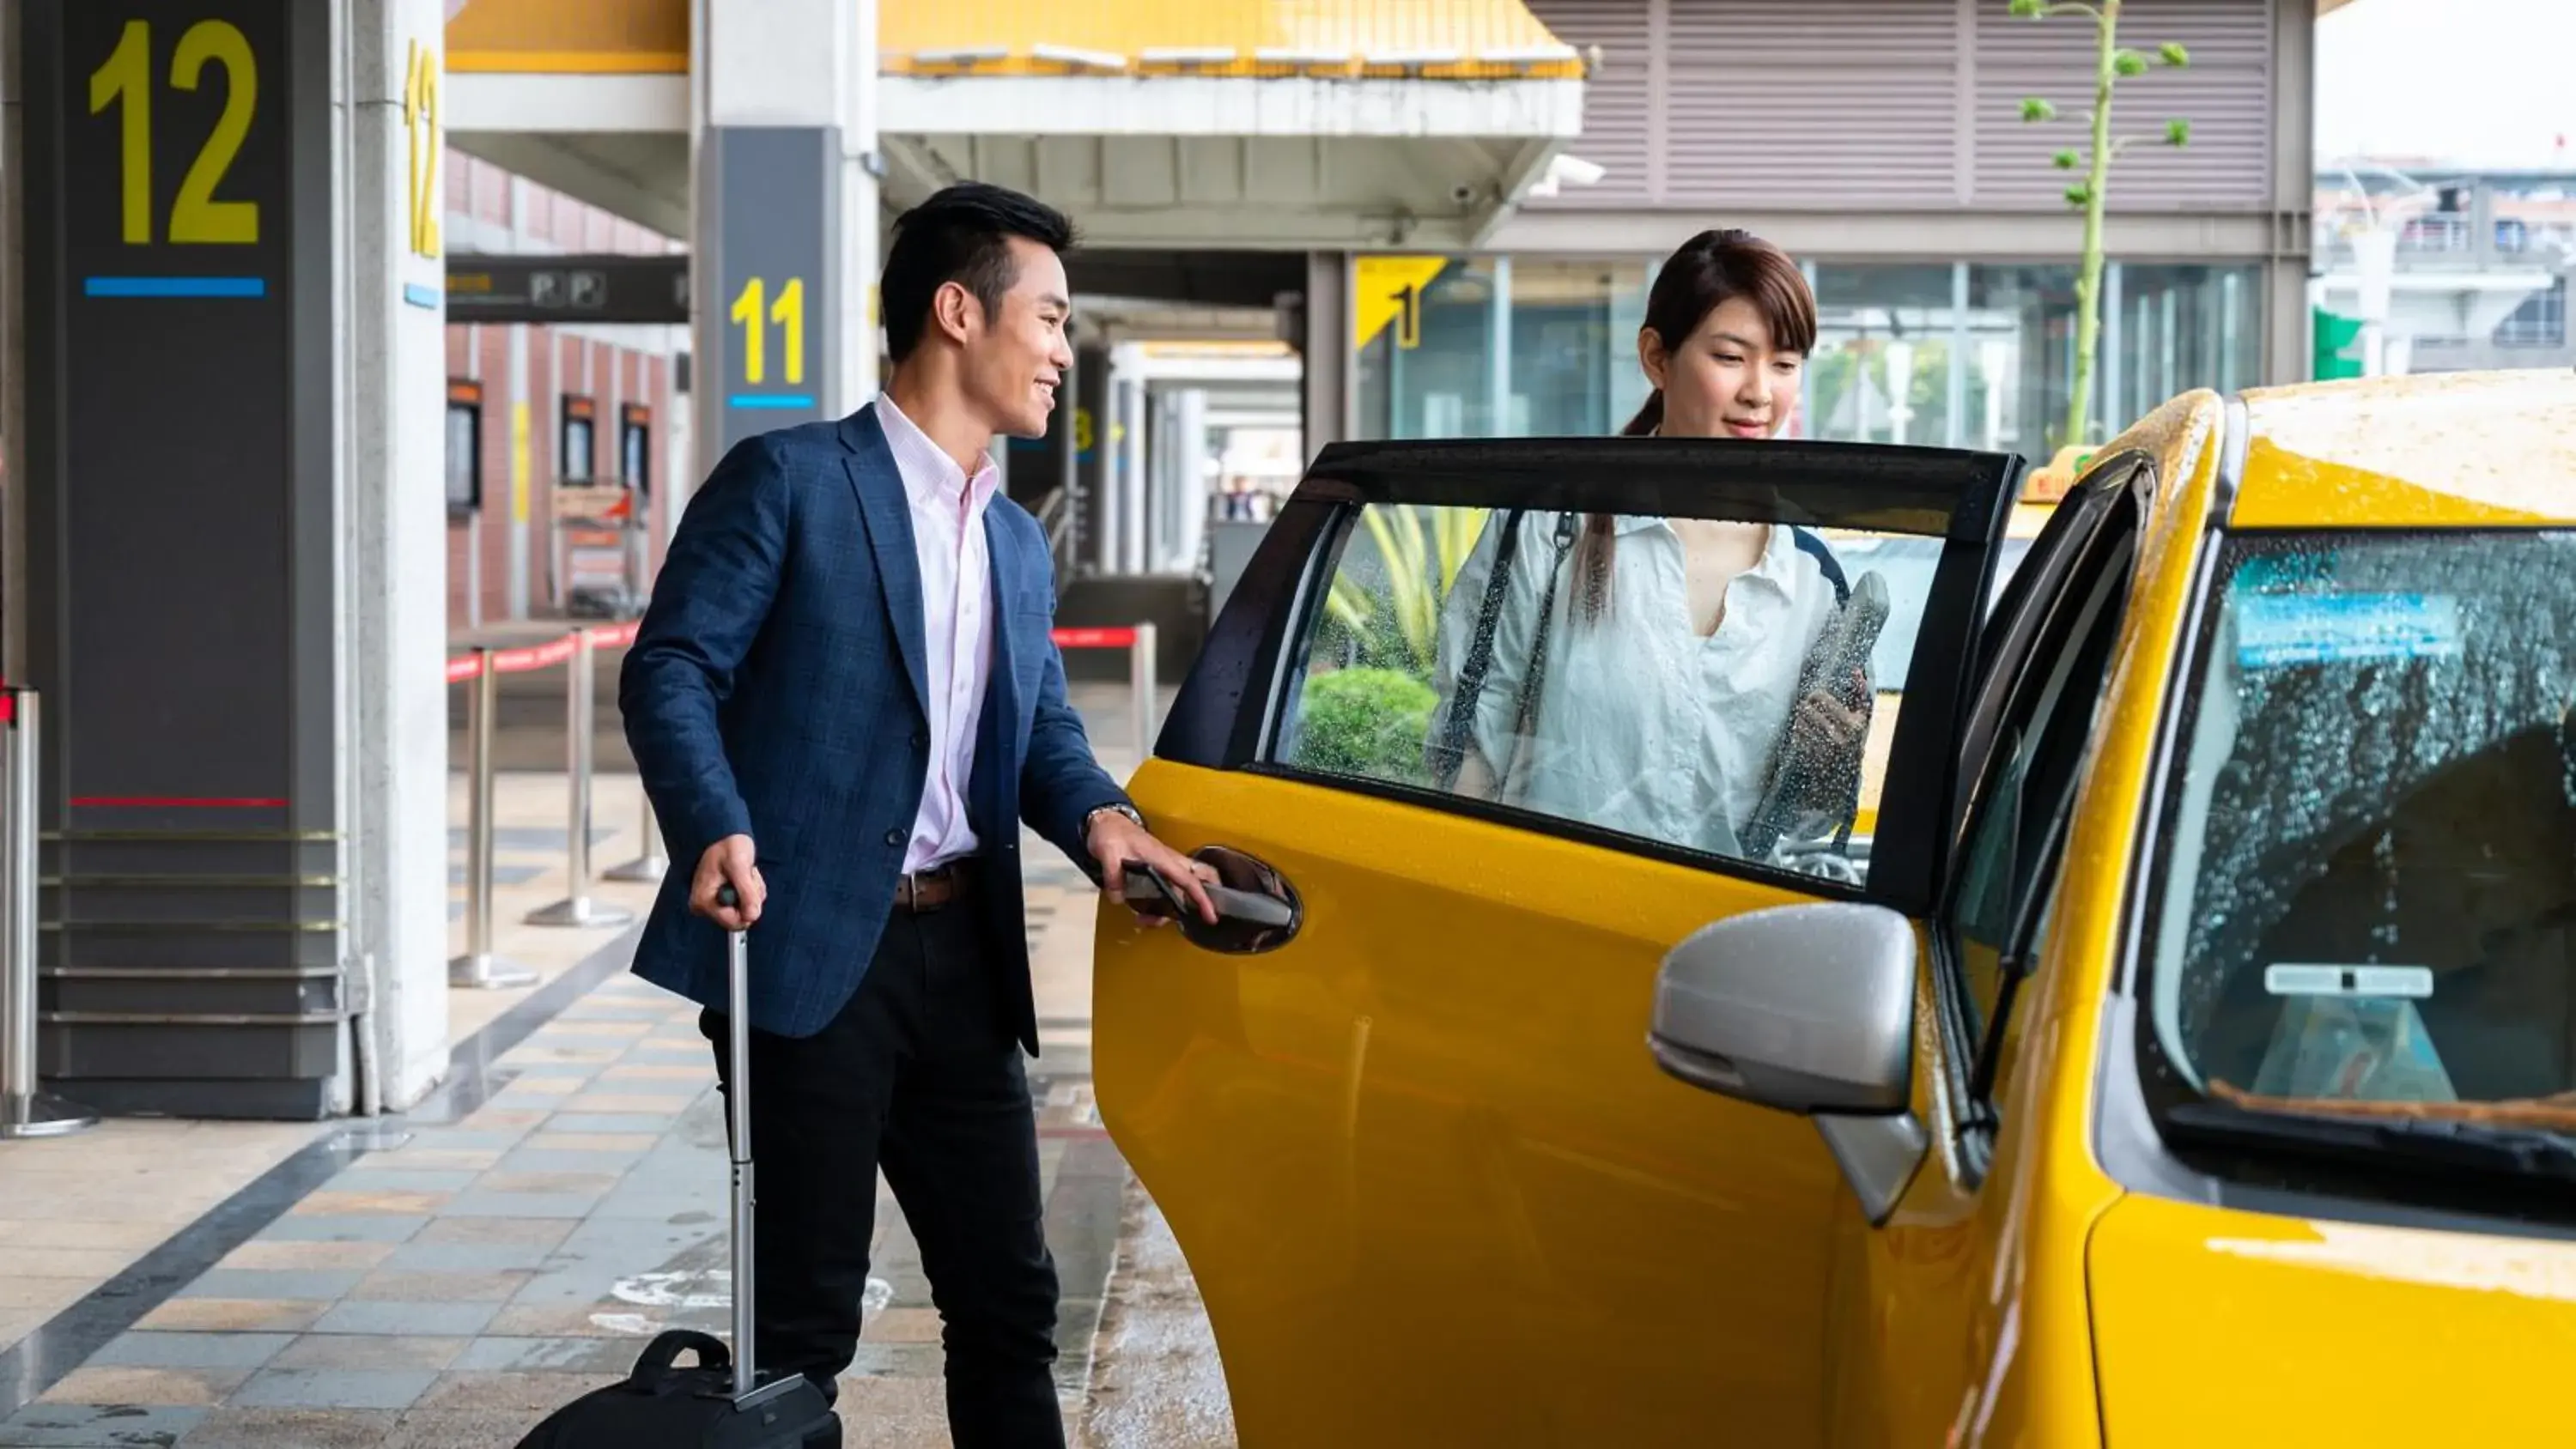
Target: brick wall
x=617, y=372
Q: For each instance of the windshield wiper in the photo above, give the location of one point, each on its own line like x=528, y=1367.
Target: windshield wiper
x=2416, y=1142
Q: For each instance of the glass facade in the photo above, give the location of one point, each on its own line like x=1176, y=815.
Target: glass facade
x=1951, y=354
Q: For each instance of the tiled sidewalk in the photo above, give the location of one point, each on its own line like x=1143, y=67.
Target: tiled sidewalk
x=80, y=1214
x=512, y=1244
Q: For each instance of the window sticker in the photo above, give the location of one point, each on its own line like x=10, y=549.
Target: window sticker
x=2286, y=978
x=2275, y=631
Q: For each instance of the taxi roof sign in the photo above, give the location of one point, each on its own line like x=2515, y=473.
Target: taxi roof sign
x=2050, y=484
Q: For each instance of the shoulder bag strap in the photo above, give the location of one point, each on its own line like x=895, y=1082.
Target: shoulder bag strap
x=1450, y=751
x=1826, y=564
x=1566, y=526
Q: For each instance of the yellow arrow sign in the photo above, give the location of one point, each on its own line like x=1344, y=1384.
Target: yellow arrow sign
x=1389, y=290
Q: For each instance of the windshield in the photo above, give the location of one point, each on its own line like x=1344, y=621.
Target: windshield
x=2367, y=898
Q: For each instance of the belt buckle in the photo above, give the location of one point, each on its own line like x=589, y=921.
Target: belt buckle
x=917, y=887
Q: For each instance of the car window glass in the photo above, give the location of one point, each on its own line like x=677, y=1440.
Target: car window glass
x=2012, y=857
x=2369, y=901
x=1565, y=667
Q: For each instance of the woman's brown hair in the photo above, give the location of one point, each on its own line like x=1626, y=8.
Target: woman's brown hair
x=1708, y=271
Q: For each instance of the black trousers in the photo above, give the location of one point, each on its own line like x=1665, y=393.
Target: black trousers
x=919, y=1075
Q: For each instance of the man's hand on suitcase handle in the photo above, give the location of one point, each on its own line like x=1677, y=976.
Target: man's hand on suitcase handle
x=727, y=888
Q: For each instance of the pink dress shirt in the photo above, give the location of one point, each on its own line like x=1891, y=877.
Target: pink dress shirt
x=956, y=626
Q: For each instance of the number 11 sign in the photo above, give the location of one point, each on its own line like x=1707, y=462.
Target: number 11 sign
x=777, y=200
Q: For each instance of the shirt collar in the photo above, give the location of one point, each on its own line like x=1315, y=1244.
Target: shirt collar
x=929, y=474
x=1778, y=552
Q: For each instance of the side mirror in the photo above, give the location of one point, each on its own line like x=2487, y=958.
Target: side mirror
x=1806, y=1009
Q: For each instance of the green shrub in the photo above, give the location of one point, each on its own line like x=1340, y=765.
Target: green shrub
x=1368, y=722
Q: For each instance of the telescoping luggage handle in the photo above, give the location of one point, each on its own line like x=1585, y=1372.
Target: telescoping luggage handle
x=747, y=1388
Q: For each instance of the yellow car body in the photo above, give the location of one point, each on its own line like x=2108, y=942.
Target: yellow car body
x=1436, y=1189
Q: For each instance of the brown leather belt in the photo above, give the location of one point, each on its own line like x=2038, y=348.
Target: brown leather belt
x=929, y=890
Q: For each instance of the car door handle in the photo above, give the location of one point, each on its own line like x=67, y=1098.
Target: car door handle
x=1257, y=909
x=1150, y=894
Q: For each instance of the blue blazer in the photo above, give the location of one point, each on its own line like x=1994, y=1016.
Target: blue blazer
x=775, y=689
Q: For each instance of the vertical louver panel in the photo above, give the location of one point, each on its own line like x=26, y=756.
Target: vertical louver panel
x=2226, y=93
x=1616, y=97
x=1813, y=102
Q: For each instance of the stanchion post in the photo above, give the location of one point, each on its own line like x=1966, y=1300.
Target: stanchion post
x=1140, y=679
x=652, y=864
x=578, y=907
x=481, y=967
x=24, y=1110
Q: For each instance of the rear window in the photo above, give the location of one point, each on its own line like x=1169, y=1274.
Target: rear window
x=2369, y=891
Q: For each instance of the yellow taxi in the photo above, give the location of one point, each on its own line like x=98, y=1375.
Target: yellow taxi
x=2184, y=1055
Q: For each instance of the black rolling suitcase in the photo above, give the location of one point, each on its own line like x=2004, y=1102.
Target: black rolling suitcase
x=720, y=1402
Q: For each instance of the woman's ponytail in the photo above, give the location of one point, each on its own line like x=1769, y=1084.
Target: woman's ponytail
x=1648, y=418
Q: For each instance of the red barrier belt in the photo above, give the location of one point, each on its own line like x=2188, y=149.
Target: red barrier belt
x=532, y=656
x=1095, y=638
x=520, y=660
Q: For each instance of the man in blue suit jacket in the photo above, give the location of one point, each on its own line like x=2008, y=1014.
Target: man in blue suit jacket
x=844, y=699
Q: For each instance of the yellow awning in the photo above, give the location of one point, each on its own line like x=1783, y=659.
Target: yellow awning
x=1436, y=39
x=579, y=37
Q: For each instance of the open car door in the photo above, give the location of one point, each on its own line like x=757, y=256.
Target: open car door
x=1397, y=1107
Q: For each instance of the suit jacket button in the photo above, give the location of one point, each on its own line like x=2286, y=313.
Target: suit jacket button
x=920, y=741
x=894, y=837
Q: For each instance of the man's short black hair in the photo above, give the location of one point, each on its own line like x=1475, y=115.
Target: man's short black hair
x=962, y=235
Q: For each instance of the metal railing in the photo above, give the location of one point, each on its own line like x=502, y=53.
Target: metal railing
x=25, y=1110
x=482, y=966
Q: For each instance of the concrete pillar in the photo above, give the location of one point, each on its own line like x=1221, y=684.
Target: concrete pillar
x=1096, y=516
x=785, y=219
x=1498, y=353
x=516, y=410
x=1626, y=381
x=1954, y=431
x=1328, y=406
x=680, y=466
x=2288, y=332
x=395, y=581
x=1127, y=384
x=1189, y=475
x=269, y=709
x=483, y=504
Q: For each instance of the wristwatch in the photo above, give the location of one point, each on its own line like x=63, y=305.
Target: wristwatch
x=1112, y=809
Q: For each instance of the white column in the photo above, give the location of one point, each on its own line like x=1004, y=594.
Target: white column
x=1498, y=354
x=860, y=165
x=483, y=504
x=1955, y=431
x=393, y=576
x=2108, y=375
x=1190, y=508
x=680, y=454
x=1134, y=457
x=517, y=426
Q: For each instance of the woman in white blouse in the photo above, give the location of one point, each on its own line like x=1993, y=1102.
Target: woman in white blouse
x=1673, y=648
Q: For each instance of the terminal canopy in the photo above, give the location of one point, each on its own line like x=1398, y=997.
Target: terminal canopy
x=1160, y=123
